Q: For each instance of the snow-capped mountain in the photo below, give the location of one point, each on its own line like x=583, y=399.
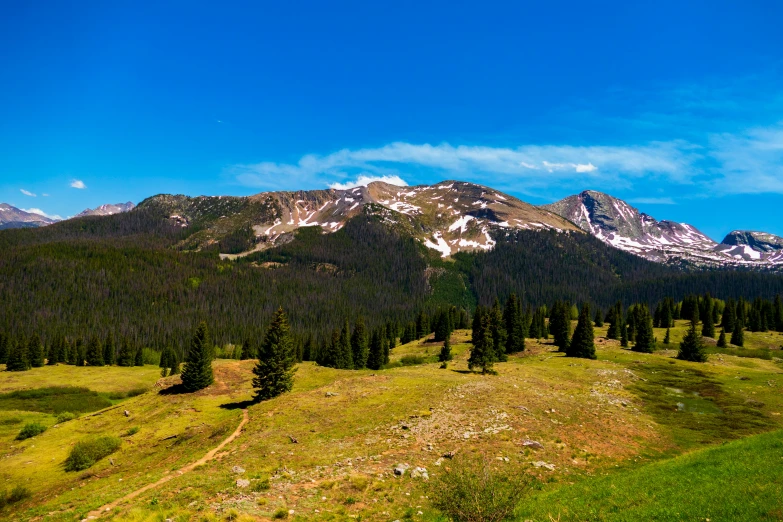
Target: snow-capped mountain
x=12, y=217
x=617, y=223
x=107, y=210
x=449, y=217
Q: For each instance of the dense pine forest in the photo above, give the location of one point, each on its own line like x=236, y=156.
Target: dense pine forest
x=127, y=277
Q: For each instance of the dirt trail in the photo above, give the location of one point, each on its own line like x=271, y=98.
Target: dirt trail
x=190, y=467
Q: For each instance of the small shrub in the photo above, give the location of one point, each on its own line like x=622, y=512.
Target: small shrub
x=65, y=417
x=17, y=494
x=132, y=431
x=10, y=420
x=87, y=452
x=412, y=360
x=231, y=515
x=470, y=490
x=31, y=429
x=260, y=485
x=280, y=514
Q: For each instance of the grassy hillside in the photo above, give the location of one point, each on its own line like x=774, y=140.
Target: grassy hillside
x=601, y=424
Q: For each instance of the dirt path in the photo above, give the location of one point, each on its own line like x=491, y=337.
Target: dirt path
x=190, y=467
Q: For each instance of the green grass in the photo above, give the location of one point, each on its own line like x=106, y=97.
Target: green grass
x=738, y=481
x=30, y=430
x=55, y=400
x=87, y=452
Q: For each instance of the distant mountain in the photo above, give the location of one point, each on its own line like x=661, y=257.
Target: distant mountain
x=449, y=217
x=12, y=217
x=107, y=210
x=617, y=223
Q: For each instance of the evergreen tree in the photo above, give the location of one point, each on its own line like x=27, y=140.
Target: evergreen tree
x=667, y=320
x=174, y=361
x=482, y=353
x=498, y=332
x=274, y=372
x=707, y=325
x=623, y=335
x=560, y=325
x=109, y=350
x=308, y=351
x=599, y=318
x=615, y=321
x=81, y=353
x=247, y=351
x=692, y=345
x=375, y=357
x=36, y=352
x=645, y=338
x=359, y=345
x=197, y=373
x=126, y=353
x=166, y=357
x=738, y=335
x=422, y=326
x=582, y=343
x=476, y=328
x=514, y=323
x=344, y=354
x=385, y=347
x=722, y=339
x=3, y=348
x=729, y=316
x=139, y=358
x=445, y=352
x=17, y=357
x=778, y=313
x=667, y=339
x=94, y=355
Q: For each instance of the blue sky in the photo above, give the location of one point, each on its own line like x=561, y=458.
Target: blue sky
x=676, y=107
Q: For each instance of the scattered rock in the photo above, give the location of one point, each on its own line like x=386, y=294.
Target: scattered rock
x=243, y=483
x=331, y=394
x=439, y=461
x=400, y=469
x=420, y=472
x=237, y=469
x=449, y=455
x=127, y=413
x=532, y=444
x=293, y=439
x=542, y=464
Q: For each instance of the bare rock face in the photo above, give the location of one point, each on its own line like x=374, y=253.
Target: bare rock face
x=12, y=217
x=107, y=210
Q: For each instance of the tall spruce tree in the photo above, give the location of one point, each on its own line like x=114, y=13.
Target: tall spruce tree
x=3, y=348
x=738, y=335
x=18, y=360
x=514, y=321
x=375, y=357
x=645, y=338
x=582, y=343
x=359, y=344
x=498, y=332
x=109, y=350
x=623, y=335
x=445, y=351
x=599, y=318
x=126, y=353
x=729, y=318
x=247, y=350
x=778, y=313
x=668, y=337
x=36, y=352
x=692, y=345
x=344, y=354
x=274, y=372
x=94, y=355
x=197, y=373
x=560, y=324
x=707, y=324
x=482, y=353
x=722, y=339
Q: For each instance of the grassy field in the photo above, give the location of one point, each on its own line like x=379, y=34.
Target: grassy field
x=624, y=422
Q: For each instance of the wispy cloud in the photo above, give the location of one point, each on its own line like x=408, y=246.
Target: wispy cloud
x=652, y=201
x=41, y=213
x=78, y=184
x=27, y=193
x=750, y=162
x=363, y=181
x=521, y=167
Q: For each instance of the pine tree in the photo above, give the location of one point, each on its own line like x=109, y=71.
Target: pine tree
x=599, y=318
x=308, y=351
x=109, y=350
x=345, y=356
x=445, y=352
x=246, y=351
x=3, y=348
x=126, y=353
x=17, y=356
x=514, y=323
x=139, y=357
x=36, y=352
x=615, y=321
x=729, y=318
x=692, y=345
x=174, y=361
x=94, y=355
x=385, y=347
x=707, y=325
x=623, y=335
x=738, y=335
x=81, y=353
x=582, y=343
x=778, y=313
x=667, y=339
x=645, y=338
x=359, y=345
x=482, y=353
x=375, y=357
x=560, y=325
x=274, y=372
x=498, y=332
x=197, y=373
x=722, y=339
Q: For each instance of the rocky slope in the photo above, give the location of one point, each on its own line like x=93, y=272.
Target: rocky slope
x=449, y=217
x=623, y=226
x=12, y=217
x=107, y=210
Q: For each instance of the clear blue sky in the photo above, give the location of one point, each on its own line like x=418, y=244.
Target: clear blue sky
x=676, y=107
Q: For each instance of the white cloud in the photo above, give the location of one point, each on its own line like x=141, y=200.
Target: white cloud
x=653, y=201
x=750, y=162
x=27, y=193
x=41, y=213
x=78, y=184
x=518, y=168
x=363, y=181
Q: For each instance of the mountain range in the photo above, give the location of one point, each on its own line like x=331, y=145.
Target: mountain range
x=449, y=217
